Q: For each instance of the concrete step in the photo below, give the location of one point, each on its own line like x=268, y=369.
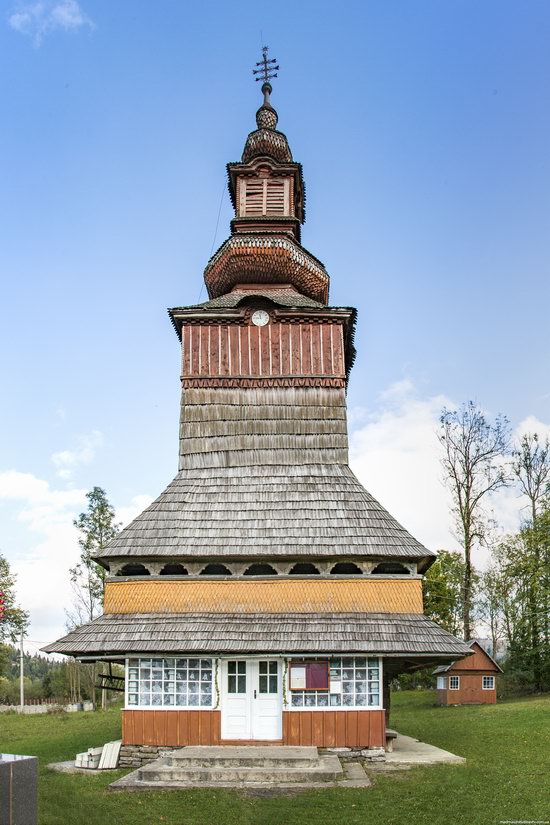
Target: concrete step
x=327, y=770
x=229, y=756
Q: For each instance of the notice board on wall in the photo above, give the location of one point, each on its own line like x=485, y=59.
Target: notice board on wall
x=309, y=675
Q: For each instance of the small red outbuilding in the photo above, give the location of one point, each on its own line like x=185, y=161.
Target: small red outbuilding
x=468, y=681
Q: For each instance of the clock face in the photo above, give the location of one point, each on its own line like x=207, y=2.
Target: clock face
x=260, y=318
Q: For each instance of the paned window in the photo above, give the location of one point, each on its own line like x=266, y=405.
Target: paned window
x=353, y=682
x=268, y=677
x=441, y=683
x=236, y=677
x=454, y=682
x=488, y=683
x=172, y=682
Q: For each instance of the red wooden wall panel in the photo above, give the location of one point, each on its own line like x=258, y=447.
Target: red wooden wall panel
x=335, y=728
x=278, y=349
x=171, y=727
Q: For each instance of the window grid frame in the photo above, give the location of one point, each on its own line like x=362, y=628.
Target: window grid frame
x=492, y=685
x=452, y=680
x=269, y=677
x=336, y=663
x=146, y=662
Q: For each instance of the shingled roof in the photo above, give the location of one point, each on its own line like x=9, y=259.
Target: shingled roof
x=285, y=296
x=266, y=511
x=389, y=634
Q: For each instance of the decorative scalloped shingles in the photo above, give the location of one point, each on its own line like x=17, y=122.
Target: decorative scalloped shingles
x=267, y=142
x=265, y=258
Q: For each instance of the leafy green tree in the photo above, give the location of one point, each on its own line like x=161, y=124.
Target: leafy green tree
x=531, y=468
x=443, y=587
x=474, y=449
x=97, y=527
x=522, y=565
x=492, y=591
x=13, y=619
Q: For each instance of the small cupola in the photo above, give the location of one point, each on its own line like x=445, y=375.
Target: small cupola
x=267, y=193
x=266, y=186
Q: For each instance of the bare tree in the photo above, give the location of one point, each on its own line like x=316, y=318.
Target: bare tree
x=531, y=468
x=473, y=463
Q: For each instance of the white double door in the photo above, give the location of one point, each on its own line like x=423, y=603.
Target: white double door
x=251, y=699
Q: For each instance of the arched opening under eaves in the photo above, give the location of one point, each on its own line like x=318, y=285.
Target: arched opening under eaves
x=173, y=570
x=133, y=570
x=346, y=568
x=304, y=568
x=391, y=568
x=260, y=570
x=215, y=570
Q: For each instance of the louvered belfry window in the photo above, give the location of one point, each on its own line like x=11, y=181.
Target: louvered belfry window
x=275, y=196
x=264, y=196
x=254, y=197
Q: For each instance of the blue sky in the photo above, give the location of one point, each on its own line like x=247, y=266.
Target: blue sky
x=423, y=128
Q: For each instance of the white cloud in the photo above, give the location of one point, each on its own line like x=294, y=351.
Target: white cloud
x=66, y=461
x=44, y=546
x=45, y=16
x=530, y=425
x=395, y=453
x=49, y=546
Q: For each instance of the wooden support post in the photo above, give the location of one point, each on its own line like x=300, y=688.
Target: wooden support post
x=386, y=696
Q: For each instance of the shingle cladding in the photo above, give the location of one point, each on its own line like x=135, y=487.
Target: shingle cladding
x=255, y=511
x=377, y=633
x=271, y=595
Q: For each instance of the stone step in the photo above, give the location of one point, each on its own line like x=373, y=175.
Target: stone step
x=328, y=769
x=229, y=756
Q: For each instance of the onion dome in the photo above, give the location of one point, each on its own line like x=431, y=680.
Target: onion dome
x=267, y=258
x=266, y=140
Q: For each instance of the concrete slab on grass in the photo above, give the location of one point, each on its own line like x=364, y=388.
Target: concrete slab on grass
x=409, y=751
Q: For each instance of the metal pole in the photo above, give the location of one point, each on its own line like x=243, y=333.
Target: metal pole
x=21, y=676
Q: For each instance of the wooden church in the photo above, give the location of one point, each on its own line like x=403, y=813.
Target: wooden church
x=265, y=596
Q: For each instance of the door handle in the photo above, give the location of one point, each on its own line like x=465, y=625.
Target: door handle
x=254, y=694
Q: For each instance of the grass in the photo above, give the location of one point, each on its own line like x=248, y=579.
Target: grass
x=505, y=777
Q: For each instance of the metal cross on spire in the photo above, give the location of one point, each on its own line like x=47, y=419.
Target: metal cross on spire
x=267, y=70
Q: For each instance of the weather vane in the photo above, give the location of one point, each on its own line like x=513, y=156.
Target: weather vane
x=267, y=70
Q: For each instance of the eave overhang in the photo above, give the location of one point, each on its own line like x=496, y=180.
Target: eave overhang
x=410, y=637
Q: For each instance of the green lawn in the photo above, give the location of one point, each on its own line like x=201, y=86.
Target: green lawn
x=506, y=776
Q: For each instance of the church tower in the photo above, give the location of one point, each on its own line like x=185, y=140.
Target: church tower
x=265, y=584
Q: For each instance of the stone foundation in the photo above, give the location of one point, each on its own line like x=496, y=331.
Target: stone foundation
x=367, y=754
x=136, y=756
